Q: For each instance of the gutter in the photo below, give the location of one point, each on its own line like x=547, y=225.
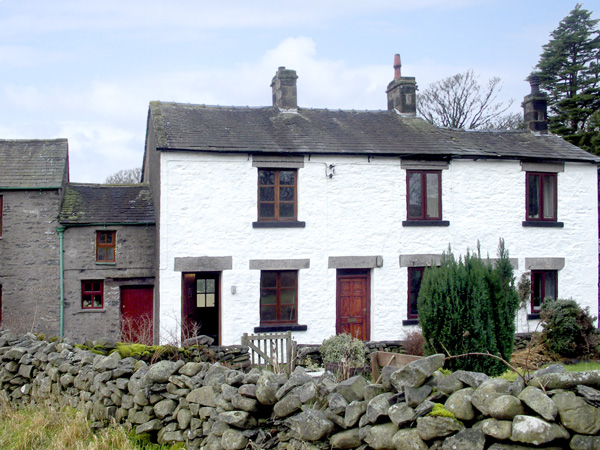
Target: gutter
x=106, y=224
x=25, y=188
x=60, y=231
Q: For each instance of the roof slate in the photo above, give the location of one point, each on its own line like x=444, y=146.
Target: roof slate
x=102, y=203
x=33, y=163
x=181, y=126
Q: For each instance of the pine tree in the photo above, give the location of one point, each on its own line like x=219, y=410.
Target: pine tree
x=569, y=69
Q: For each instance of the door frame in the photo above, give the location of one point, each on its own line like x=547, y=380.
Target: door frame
x=128, y=287
x=342, y=273
x=218, y=277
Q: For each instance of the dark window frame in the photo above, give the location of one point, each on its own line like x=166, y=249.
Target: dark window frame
x=529, y=215
x=277, y=202
x=102, y=246
x=1, y=213
x=412, y=313
x=88, y=288
x=423, y=214
x=278, y=291
x=537, y=299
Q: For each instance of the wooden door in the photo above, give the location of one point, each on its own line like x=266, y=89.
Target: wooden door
x=137, y=318
x=353, y=303
x=200, y=305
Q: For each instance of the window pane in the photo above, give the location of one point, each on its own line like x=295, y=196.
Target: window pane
x=97, y=301
x=286, y=210
x=200, y=300
x=201, y=285
x=267, y=210
x=110, y=254
x=268, y=314
x=267, y=194
x=288, y=313
x=286, y=177
x=286, y=194
x=433, y=195
x=101, y=238
x=288, y=279
x=288, y=297
x=415, y=275
x=96, y=286
x=87, y=301
x=549, y=196
x=109, y=238
x=266, y=177
x=268, y=279
x=536, y=290
x=550, y=285
x=533, y=207
x=101, y=254
x=210, y=300
x=268, y=297
x=210, y=286
x=415, y=206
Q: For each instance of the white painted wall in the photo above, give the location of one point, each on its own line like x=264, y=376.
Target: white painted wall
x=208, y=204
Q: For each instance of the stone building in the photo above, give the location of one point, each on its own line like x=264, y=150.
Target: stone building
x=108, y=262
x=33, y=174
x=320, y=221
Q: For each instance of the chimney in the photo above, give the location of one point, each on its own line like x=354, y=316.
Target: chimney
x=401, y=93
x=535, y=107
x=285, y=95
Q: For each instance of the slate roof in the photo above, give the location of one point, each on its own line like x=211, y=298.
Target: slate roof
x=104, y=203
x=33, y=163
x=181, y=126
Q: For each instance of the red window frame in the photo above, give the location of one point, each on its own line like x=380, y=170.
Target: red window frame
x=535, y=201
x=277, y=198
x=539, y=287
x=106, y=243
x=419, y=211
x=92, y=294
x=415, y=276
x=274, y=285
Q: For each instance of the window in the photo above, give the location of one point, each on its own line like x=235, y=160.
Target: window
x=541, y=196
x=424, y=200
x=277, y=194
x=92, y=294
x=106, y=246
x=543, y=285
x=278, y=297
x=415, y=276
x=206, y=289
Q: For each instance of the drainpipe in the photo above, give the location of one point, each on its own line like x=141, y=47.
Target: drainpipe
x=61, y=231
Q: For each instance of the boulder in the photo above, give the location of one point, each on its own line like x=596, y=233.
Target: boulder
x=433, y=427
x=401, y=414
x=487, y=392
x=575, y=414
x=459, y=404
x=353, y=413
x=539, y=402
x=352, y=388
x=536, y=431
x=377, y=408
x=310, y=425
x=233, y=440
x=408, y=439
x=346, y=439
x=465, y=439
x=266, y=388
x=381, y=437
x=506, y=407
x=498, y=429
x=416, y=373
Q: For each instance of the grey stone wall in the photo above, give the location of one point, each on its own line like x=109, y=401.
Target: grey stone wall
x=210, y=406
x=29, y=261
x=134, y=266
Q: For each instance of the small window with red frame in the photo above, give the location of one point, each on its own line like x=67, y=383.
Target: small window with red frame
x=106, y=245
x=92, y=294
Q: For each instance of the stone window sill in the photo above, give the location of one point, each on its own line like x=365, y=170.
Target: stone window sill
x=283, y=224
x=95, y=311
x=533, y=316
x=100, y=263
x=410, y=322
x=275, y=328
x=542, y=224
x=426, y=223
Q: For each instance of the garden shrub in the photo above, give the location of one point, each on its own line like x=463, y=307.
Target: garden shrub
x=344, y=348
x=414, y=343
x=469, y=306
x=568, y=328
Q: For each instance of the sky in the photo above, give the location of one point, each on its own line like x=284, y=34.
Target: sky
x=86, y=70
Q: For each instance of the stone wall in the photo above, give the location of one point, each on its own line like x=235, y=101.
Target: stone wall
x=211, y=406
x=29, y=261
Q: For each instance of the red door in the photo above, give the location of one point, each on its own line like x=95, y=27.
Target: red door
x=137, y=319
x=353, y=303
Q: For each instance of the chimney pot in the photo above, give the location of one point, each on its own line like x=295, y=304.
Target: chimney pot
x=401, y=92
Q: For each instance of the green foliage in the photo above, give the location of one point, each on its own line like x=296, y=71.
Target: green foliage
x=469, y=306
x=344, y=349
x=568, y=329
x=440, y=411
x=569, y=69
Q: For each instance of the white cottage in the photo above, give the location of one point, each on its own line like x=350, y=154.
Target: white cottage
x=321, y=222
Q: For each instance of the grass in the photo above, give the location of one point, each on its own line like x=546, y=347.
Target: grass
x=47, y=428
x=583, y=366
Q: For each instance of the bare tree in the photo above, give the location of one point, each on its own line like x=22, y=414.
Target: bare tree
x=125, y=176
x=460, y=101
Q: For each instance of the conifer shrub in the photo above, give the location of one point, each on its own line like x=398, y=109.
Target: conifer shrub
x=569, y=329
x=469, y=306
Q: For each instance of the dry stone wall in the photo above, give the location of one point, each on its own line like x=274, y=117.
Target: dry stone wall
x=210, y=406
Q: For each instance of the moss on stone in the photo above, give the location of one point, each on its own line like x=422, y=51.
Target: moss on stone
x=439, y=411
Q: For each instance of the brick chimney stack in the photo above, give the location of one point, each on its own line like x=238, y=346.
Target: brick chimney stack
x=535, y=107
x=401, y=93
x=285, y=94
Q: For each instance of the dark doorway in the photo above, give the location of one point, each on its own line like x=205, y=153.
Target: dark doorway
x=200, y=305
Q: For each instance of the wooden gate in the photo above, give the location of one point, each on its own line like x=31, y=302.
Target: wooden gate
x=277, y=350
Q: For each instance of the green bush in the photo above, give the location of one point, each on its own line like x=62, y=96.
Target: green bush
x=569, y=329
x=344, y=349
x=469, y=306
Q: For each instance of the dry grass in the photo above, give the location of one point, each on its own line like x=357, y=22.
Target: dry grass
x=47, y=428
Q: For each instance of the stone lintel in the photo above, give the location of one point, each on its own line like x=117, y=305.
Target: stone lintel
x=355, y=262
x=421, y=260
x=278, y=161
x=542, y=167
x=544, y=263
x=279, y=264
x=203, y=263
x=413, y=164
